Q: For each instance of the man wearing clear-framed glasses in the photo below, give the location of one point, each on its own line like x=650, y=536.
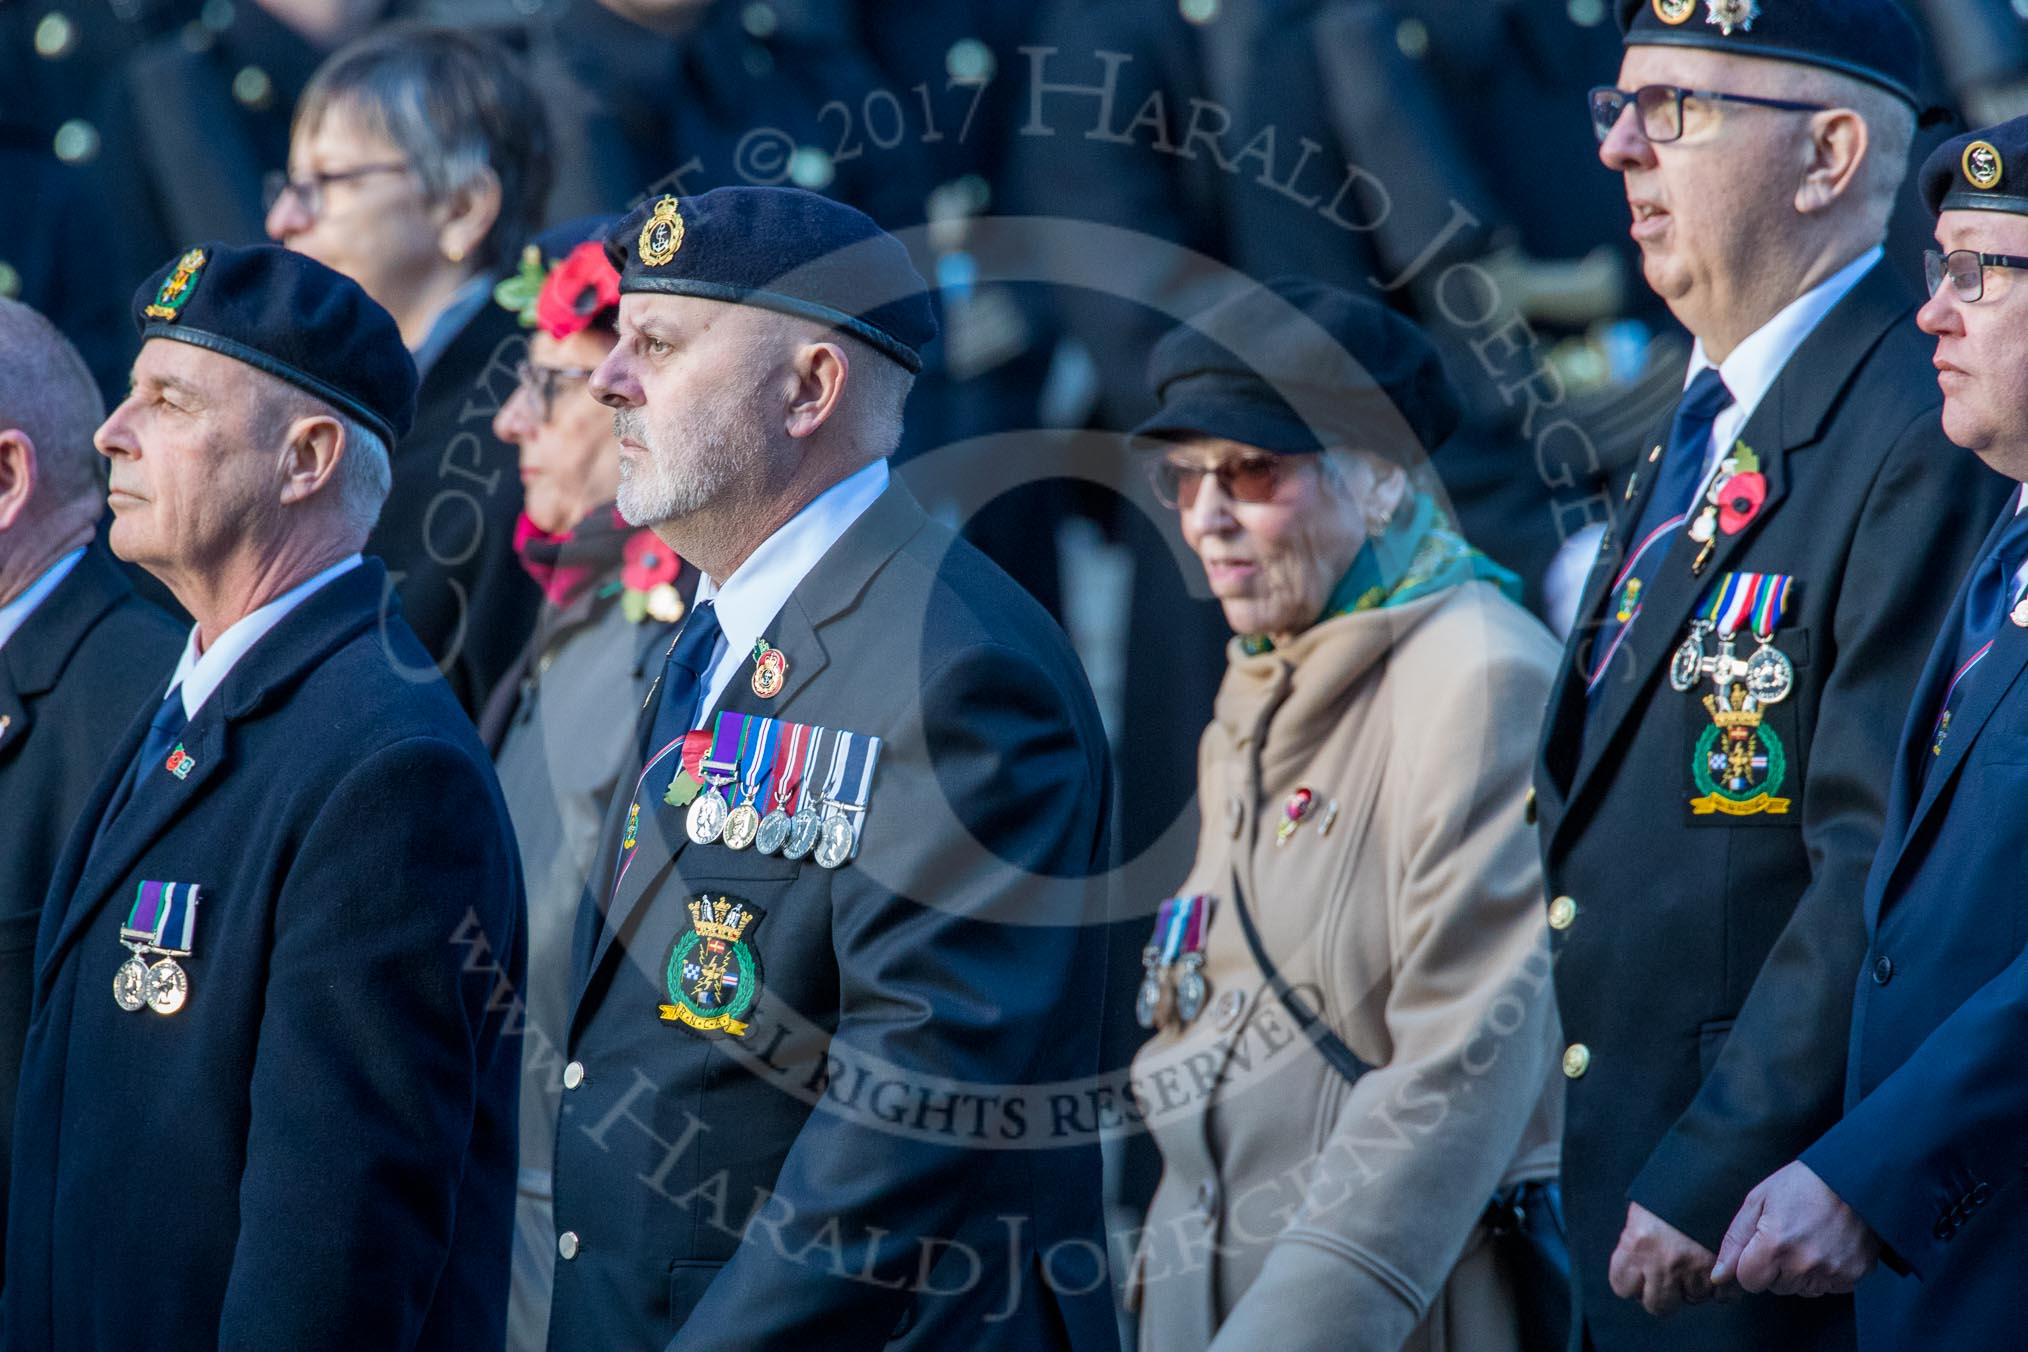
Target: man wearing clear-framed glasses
x=1714, y=770
x=1917, y=1173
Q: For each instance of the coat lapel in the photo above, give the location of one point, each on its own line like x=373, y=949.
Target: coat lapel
x=1921, y=774
x=93, y=863
x=1676, y=592
x=14, y=719
x=1790, y=417
x=159, y=799
x=34, y=659
x=1563, y=728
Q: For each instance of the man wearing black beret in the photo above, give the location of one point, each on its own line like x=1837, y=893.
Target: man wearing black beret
x=834, y=946
x=1713, y=774
x=266, y=1100
x=1924, y=1170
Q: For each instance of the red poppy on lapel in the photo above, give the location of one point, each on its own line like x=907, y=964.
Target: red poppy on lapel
x=1739, y=500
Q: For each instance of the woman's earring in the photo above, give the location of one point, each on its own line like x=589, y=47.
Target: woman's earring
x=455, y=252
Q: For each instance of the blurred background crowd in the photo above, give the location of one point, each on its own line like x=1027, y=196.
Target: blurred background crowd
x=1435, y=153
x=1073, y=176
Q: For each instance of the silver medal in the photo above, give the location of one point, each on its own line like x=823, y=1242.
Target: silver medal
x=803, y=829
x=834, y=846
x=1770, y=676
x=1148, y=1001
x=168, y=987
x=1191, y=988
x=1688, y=663
x=773, y=833
x=742, y=824
x=1147, y=1004
x=706, y=818
x=130, y=984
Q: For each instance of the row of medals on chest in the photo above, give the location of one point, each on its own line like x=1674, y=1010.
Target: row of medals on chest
x=161, y=985
x=826, y=826
x=1181, y=924
x=1767, y=673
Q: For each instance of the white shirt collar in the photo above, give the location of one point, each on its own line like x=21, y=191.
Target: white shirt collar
x=1752, y=368
x=748, y=601
x=198, y=675
x=16, y=612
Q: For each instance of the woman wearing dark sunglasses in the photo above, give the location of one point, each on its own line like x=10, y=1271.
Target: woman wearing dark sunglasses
x=1363, y=860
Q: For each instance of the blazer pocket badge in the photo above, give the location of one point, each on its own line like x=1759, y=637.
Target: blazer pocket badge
x=714, y=974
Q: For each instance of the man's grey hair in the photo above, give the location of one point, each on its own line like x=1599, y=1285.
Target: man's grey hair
x=365, y=473
x=881, y=397
x=47, y=392
x=1890, y=128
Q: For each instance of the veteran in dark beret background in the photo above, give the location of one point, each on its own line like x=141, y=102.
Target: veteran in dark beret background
x=266, y=1096
x=1706, y=827
x=725, y=1177
x=1360, y=784
x=1923, y=1174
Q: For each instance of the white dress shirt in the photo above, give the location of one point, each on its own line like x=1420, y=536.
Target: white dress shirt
x=16, y=612
x=201, y=672
x=748, y=601
x=1749, y=371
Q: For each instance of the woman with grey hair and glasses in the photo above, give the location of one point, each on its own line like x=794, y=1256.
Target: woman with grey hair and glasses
x=418, y=166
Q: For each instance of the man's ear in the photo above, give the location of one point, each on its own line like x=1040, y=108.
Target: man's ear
x=1838, y=145
x=311, y=455
x=820, y=372
x=18, y=474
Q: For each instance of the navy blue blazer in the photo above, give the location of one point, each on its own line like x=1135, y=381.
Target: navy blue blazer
x=873, y=1156
x=1933, y=1148
x=318, y=1150
x=1707, y=968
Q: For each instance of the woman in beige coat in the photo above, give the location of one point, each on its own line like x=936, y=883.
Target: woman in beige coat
x=1363, y=786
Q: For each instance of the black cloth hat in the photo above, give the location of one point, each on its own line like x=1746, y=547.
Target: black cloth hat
x=1295, y=366
x=1872, y=39
x=287, y=314
x=781, y=249
x=1985, y=170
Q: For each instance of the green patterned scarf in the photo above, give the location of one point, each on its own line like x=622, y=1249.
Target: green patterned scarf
x=1418, y=554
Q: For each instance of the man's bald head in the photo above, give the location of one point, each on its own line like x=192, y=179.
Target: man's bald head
x=48, y=395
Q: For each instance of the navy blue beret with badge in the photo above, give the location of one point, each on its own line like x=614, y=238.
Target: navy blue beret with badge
x=1985, y=170
x=1872, y=39
x=782, y=249
x=287, y=314
x=1295, y=366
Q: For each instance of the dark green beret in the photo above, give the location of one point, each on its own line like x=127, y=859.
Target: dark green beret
x=782, y=249
x=287, y=314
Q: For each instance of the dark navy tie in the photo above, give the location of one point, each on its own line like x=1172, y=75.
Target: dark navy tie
x=163, y=730
x=1680, y=472
x=1986, y=603
x=681, y=674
